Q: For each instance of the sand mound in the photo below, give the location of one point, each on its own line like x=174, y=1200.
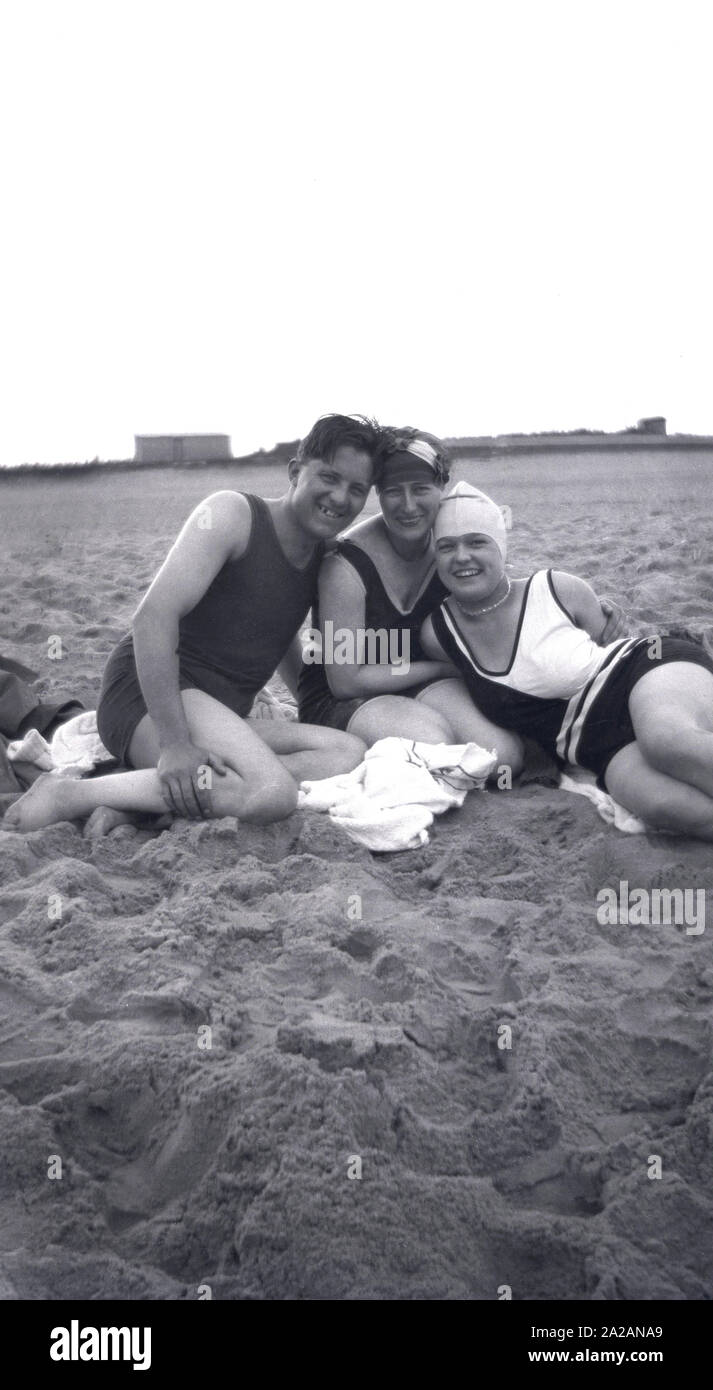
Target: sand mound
x=334, y=1037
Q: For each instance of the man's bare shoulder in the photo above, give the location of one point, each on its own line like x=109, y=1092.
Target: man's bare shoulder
x=226, y=503
x=225, y=517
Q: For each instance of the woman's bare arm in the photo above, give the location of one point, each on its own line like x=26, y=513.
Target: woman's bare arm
x=580, y=602
x=431, y=644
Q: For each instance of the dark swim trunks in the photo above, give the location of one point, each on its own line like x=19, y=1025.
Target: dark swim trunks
x=232, y=641
x=122, y=706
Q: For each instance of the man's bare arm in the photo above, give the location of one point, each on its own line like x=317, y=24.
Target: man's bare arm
x=218, y=530
x=213, y=533
x=289, y=668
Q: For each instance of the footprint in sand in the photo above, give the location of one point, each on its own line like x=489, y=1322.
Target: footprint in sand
x=145, y=1145
x=176, y=1156
x=554, y=1181
x=158, y=1012
x=360, y=944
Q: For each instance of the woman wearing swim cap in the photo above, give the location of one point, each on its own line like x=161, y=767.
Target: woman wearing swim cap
x=637, y=712
x=381, y=576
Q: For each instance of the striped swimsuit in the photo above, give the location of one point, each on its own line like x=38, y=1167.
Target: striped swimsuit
x=560, y=688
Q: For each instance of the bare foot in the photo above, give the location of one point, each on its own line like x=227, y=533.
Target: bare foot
x=105, y=818
x=49, y=799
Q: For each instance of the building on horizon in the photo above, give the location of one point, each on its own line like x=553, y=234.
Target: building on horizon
x=652, y=424
x=181, y=448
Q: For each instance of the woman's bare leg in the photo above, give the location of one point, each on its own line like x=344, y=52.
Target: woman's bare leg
x=661, y=801
x=671, y=709
x=259, y=787
x=453, y=702
x=397, y=716
x=310, y=750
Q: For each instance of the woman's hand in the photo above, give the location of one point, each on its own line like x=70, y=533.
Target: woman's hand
x=186, y=771
x=617, y=624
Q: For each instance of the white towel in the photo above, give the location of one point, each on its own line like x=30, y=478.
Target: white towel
x=585, y=784
x=268, y=705
x=75, y=747
x=389, y=801
x=384, y=829
x=33, y=748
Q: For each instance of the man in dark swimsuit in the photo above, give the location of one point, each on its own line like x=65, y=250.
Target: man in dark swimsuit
x=221, y=615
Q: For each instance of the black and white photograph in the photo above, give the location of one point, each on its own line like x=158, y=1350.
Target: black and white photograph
x=356, y=663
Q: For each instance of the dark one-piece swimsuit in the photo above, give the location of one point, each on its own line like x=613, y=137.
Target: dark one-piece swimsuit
x=317, y=704
x=230, y=644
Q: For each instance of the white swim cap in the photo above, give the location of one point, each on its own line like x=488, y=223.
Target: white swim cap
x=466, y=510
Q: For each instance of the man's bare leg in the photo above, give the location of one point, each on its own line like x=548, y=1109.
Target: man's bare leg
x=260, y=785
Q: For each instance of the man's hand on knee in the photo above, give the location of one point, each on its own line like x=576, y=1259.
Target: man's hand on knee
x=186, y=772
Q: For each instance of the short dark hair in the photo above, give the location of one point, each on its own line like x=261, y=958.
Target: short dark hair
x=394, y=440
x=331, y=432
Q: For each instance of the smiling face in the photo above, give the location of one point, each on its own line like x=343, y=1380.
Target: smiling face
x=327, y=496
x=409, y=508
x=472, y=566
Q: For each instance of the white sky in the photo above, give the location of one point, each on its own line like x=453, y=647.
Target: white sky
x=233, y=217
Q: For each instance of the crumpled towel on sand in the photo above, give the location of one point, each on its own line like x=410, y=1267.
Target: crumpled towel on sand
x=75, y=747
x=388, y=802
x=584, y=784
x=268, y=705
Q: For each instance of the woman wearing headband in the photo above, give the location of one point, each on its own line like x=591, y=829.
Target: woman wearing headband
x=381, y=578
x=638, y=712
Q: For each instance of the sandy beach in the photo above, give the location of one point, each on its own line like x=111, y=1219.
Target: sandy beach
x=352, y=1002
